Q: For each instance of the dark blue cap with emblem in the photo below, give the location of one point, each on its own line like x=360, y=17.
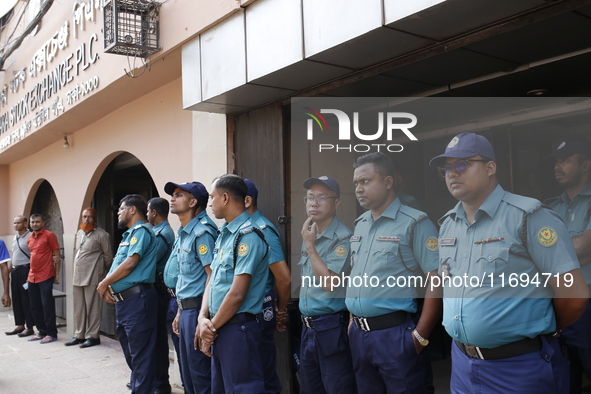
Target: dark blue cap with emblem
x=195, y=188
x=570, y=147
x=331, y=183
x=252, y=189
x=463, y=146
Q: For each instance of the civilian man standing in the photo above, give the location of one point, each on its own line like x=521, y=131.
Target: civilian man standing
x=21, y=256
x=93, y=257
x=5, y=267
x=193, y=255
x=45, y=265
x=130, y=286
x=572, y=169
x=158, y=218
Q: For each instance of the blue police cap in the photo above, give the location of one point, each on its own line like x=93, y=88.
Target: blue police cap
x=252, y=189
x=465, y=145
x=195, y=188
x=571, y=147
x=331, y=183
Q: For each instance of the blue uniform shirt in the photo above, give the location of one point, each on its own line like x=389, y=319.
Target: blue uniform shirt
x=575, y=215
x=4, y=255
x=250, y=259
x=171, y=269
x=333, y=247
x=194, y=251
x=165, y=240
x=141, y=240
x=402, y=242
x=271, y=236
x=475, y=314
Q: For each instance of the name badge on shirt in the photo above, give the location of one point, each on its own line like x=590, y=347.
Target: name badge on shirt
x=124, y=244
x=447, y=242
x=388, y=239
x=355, y=238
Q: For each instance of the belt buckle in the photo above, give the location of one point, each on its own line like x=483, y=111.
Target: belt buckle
x=307, y=320
x=118, y=297
x=362, y=323
x=473, y=351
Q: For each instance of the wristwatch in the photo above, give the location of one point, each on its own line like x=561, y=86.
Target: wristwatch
x=422, y=341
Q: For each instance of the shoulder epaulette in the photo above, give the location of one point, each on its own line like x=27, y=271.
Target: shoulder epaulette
x=526, y=204
x=412, y=213
x=137, y=226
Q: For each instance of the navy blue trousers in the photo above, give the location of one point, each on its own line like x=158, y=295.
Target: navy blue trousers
x=236, y=365
x=386, y=361
x=541, y=372
x=136, y=329
x=195, y=366
x=325, y=357
x=268, y=351
x=577, y=338
x=173, y=307
x=161, y=354
x=21, y=305
x=43, y=307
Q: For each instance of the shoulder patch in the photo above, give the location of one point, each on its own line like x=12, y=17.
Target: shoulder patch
x=432, y=244
x=133, y=241
x=547, y=236
x=340, y=251
x=203, y=249
x=242, y=249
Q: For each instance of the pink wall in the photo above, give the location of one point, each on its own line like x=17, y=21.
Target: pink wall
x=154, y=128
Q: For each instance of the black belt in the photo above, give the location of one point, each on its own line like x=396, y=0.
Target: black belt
x=308, y=321
x=132, y=291
x=188, y=303
x=518, y=348
x=244, y=316
x=380, y=322
x=16, y=267
x=172, y=292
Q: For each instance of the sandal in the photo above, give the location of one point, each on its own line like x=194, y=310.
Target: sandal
x=36, y=337
x=48, y=339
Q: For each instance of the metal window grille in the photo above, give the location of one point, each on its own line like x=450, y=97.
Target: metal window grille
x=131, y=27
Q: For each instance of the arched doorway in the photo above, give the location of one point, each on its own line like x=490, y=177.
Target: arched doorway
x=45, y=202
x=125, y=174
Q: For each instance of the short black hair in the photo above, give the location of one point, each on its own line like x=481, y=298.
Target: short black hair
x=38, y=215
x=233, y=185
x=160, y=205
x=137, y=201
x=380, y=161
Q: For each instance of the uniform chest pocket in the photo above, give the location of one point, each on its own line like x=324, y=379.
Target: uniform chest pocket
x=492, y=259
x=384, y=255
x=122, y=252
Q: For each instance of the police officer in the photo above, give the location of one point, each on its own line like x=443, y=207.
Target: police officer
x=280, y=279
x=130, y=286
x=234, y=294
x=572, y=169
x=326, y=365
x=390, y=241
x=158, y=217
x=193, y=256
x=505, y=257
